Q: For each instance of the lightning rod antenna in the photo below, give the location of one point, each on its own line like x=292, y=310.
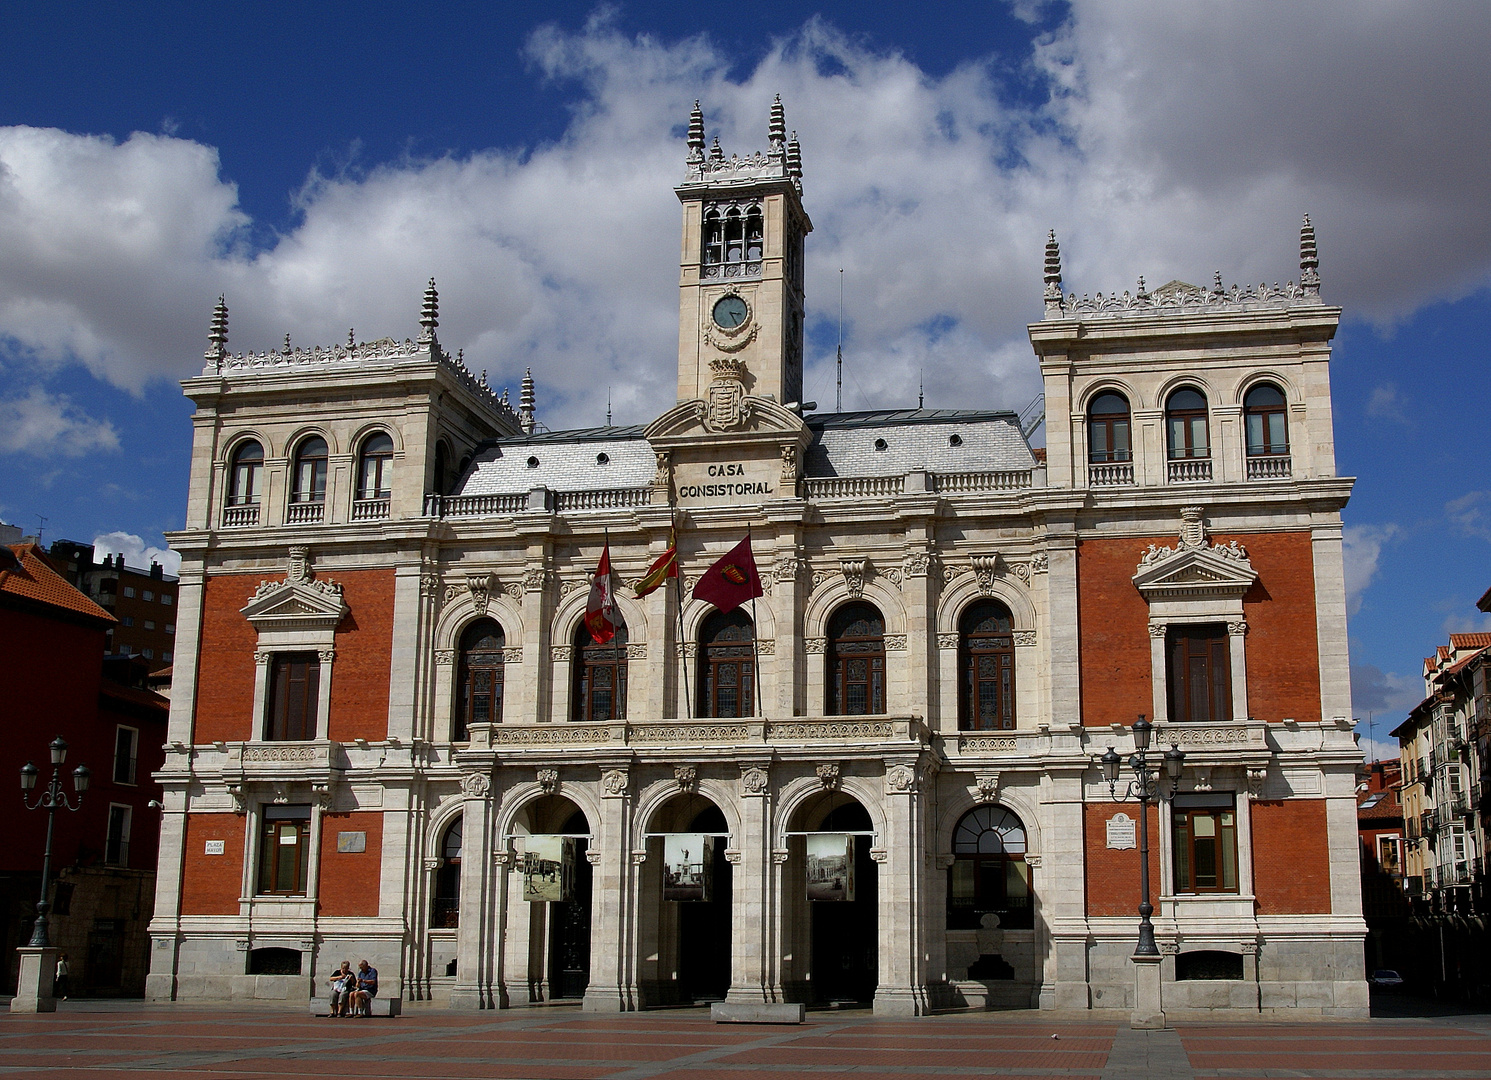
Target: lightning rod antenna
x=608, y=406
x=839, y=386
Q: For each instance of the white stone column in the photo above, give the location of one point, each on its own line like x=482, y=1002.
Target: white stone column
x=408, y=653
x=1057, y=884
x=1062, y=639
x=918, y=588
x=752, y=907
x=480, y=928
x=527, y=698
x=901, y=855
x=1330, y=618
x=612, y=986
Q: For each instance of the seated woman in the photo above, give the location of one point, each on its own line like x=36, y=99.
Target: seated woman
x=343, y=985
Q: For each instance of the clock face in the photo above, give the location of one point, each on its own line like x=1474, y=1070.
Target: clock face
x=730, y=312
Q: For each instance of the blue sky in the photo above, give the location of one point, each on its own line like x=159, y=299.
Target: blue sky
x=318, y=162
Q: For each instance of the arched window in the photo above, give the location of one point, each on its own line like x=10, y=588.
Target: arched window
x=753, y=234
x=479, y=693
x=1185, y=425
x=599, y=691
x=246, y=474
x=714, y=238
x=446, y=908
x=1108, y=429
x=1268, y=427
x=727, y=665
x=734, y=236
x=989, y=875
x=986, y=657
x=375, y=467
x=856, y=661
x=310, y=472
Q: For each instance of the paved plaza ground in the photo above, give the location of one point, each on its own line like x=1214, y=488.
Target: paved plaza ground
x=103, y=1041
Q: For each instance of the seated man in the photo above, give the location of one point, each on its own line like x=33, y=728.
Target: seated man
x=343, y=985
x=367, y=989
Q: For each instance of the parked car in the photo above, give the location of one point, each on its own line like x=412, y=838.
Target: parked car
x=1386, y=977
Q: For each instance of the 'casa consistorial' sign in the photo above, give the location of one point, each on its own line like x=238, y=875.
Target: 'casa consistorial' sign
x=718, y=482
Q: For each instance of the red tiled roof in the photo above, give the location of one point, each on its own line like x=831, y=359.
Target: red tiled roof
x=1459, y=665
x=31, y=577
x=1470, y=641
x=1442, y=653
x=133, y=695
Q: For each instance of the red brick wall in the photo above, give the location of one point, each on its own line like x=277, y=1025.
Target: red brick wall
x=364, y=644
x=1112, y=877
x=1113, y=632
x=1283, y=662
x=350, y=882
x=210, y=884
x=1291, y=860
x=364, y=650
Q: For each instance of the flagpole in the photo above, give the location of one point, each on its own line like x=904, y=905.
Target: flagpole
x=688, y=705
x=756, y=648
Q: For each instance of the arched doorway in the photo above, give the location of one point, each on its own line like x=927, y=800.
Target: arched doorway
x=991, y=940
x=557, y=930
x=842, y=935
x=686, y=940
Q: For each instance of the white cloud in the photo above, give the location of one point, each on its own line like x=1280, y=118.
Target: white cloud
x=1386, y=403
x=1361, y=549
x=1471, y=514
x=135, y=551
x=45, y=425
x=1180, y=140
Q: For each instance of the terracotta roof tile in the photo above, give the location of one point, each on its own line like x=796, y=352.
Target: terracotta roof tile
x=31, y=577
x=1470, y=641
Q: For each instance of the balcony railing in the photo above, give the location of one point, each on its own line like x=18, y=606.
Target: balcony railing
x=955, y=483
x=854, y=487
x=602, y=499
x=305, y=513
x=1189, y=471
x=370, y=509
x=1269, y=467
x=1110, y=475
x=236, y=517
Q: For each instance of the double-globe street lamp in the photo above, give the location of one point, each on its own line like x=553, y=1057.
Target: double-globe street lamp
x=52, y=796
x=1149, y=786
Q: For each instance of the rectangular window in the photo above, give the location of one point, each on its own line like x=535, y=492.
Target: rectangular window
x=126, y=620
x=1199, y=673
x=126, y=750
x=148, y=654
x=284, y=850
x=294, y=687
x=165, y=599
x=148, y=595
x=129, y=591
x=149, y=624
x=1204, y=835
x=116, y=843
x=166, y=657
x=170, y=628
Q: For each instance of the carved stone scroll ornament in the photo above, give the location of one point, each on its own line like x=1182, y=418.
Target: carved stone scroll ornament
x=1024, y=637
x=789, y=465
x=432, y=863
x=753, y=780
x=895, y=642
x=614, y=783
x=475, y=785
x=985, y=567
x=1157, y=630
x=787, y=568
x=663, y=474
x=1257, y=774
x=947, y=641
x=445, y=657
x=479, y=587
x=1040, y=563
x=900, y=779
x=561, y=653
x=686, y=777
x=828, y=775
x=916, y=564
x=1239, y=628
x=986, y=787
x=548, y=780
x=815, y=646
x=854, y=576
x=593, y=856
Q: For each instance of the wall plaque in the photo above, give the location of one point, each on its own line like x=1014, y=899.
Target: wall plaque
x=1122, y=832
x=214, y=847
x=352, y=843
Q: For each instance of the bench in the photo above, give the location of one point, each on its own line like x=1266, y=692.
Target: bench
x=381, y=1006
x=756, y=1012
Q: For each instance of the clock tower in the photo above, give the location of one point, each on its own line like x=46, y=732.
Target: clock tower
x=741, y=276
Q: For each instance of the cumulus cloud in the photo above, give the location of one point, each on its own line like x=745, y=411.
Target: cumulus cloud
x=45, y=425
x=135, y=551
x=1361, y=550
x=1177, y=140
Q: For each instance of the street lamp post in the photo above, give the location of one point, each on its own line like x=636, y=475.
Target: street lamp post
x=1153, y=784
x=34, y=986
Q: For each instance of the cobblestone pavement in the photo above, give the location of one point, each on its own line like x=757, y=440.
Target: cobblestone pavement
x=102, y=1042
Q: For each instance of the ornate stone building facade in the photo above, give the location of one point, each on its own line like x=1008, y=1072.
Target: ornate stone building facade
x=393, y=737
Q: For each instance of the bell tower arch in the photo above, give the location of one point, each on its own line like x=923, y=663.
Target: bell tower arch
x=741, y=270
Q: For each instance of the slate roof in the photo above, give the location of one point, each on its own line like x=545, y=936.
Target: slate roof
x=27, y=576
x=844, y=444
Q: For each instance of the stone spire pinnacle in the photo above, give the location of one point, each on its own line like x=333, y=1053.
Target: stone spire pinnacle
x=1053, y=274
x=217, y=333
x=794, y=162
x=351, y=337
x=526, y=403
x=429, y=314
x=696, y=135
x=715, y=153
x=1309, y=259
x=776, y=130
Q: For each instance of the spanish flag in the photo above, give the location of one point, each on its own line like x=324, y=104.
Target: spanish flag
x=664, y=567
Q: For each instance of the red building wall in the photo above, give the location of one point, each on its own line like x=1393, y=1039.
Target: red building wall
x=211, y=884
x=364, y=653
x=1112, y=877
x=350, y=881
x=1291, y=860
x=1283, y=661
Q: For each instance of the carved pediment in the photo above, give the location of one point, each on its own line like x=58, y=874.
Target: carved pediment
x=724, y=412
x=300, y=602
x=1194, y=572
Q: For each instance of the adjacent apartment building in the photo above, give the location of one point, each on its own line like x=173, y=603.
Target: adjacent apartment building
x=393, y=734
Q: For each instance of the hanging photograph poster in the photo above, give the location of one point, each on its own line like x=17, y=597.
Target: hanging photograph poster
x=548, y=865
x=830, y=866
x=688, y=867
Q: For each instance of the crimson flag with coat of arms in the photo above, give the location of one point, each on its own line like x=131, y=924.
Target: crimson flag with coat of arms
x=732, y=580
